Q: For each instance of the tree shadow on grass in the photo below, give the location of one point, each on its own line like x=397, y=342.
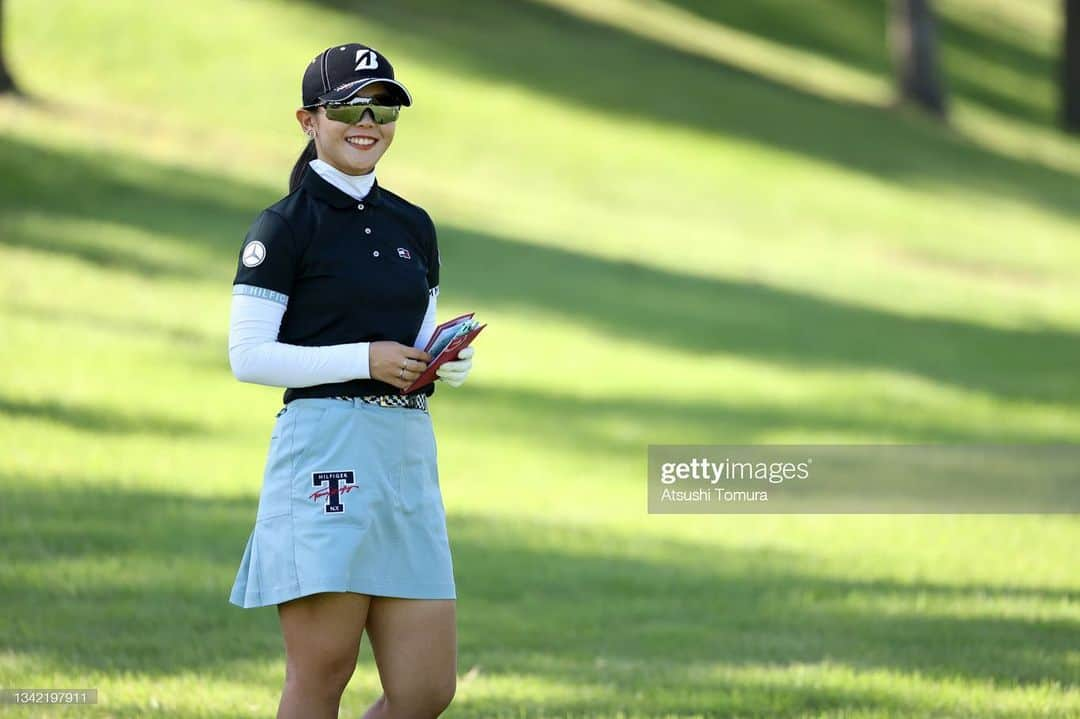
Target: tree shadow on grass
x=711, y=605
x=708, y=315
x=564, y=56
x=120, y=580
x=95, y=419
x=616, y=426
x=191, y=211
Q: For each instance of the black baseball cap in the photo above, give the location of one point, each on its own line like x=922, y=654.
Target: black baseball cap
x=338, y=73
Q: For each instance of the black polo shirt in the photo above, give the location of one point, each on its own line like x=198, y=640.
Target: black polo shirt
x=351, y=271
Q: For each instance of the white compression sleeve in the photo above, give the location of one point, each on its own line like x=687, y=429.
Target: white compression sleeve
x=427, y=327
x=256, y=356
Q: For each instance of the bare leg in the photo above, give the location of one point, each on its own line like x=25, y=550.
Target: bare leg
x=322, y=640
x=415, y=647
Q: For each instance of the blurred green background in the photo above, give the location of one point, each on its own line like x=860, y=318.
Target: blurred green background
x=719, y=230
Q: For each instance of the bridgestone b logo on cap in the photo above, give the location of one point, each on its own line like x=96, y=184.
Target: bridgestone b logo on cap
x=366, y=60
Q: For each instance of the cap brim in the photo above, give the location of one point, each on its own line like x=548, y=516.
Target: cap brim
x=401, y=95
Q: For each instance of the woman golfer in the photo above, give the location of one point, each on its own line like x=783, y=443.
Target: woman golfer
x=334, y=295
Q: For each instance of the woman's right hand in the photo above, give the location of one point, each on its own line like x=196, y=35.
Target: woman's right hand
x=386, y=360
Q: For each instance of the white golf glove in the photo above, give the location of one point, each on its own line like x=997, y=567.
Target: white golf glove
x=454, y=373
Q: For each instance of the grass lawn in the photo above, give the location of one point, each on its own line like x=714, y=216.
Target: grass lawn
x=708, y=214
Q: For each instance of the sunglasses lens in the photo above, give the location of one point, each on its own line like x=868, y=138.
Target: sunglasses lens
x=348, y=114
x=351, y=114
x=384, y=113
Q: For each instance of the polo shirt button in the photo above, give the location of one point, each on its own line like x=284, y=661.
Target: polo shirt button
x=360, y=206
x=375, y=253
x=367, y=230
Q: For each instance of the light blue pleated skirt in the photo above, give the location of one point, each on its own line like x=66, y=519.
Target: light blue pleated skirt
x=350, y=503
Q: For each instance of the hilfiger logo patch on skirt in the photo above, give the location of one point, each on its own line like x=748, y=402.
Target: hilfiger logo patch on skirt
x=336, y=485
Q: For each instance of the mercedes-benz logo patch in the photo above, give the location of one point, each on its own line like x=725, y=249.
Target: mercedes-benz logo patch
x=254, y=253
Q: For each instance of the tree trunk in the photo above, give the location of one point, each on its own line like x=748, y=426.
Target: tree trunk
x=7, y=82
x=913, y=37
x=1070, y=75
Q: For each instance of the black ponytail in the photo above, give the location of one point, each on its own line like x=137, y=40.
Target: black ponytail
x=297, y=174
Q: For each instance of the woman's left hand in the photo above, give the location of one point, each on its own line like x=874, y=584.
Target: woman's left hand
x=454, y=373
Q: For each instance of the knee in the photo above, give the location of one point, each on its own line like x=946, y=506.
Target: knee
x=326, y=677
x=442, y=694
x=427, y=699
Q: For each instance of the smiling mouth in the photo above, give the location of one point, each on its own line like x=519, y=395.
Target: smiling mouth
x=361, y=143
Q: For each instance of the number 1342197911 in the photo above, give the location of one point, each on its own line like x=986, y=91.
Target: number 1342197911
x=48, y=696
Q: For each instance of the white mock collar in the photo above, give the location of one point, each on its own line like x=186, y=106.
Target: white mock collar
x=353, y=185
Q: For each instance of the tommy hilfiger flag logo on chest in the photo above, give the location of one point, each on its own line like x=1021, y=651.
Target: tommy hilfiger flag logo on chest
x=337, y=484
x=403, y=253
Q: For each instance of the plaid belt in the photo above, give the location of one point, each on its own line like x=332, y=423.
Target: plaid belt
x=409, y=401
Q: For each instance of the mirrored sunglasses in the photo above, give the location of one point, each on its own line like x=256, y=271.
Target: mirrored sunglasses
x=352, y=111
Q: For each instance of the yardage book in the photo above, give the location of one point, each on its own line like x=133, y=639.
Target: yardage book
x=448, y=339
